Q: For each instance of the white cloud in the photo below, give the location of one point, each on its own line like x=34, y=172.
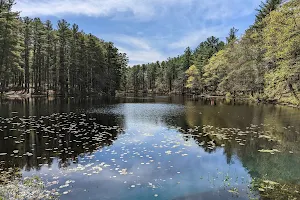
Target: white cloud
x=142, y=56
x=133, y=41
x=195, y=37
x=140, y=9
x=139, y=50
x=78, y=7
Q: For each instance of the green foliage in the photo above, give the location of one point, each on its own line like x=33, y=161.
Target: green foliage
x=282, y=44
x=228, y=95
x=242, y=69
x=10, y=44
x=41, y=60
x=232, y=35
x=193, y=78
x=216, y=70
x=206, y=50
x=187, y=58
x=170, y=76
x=264, y=63
x=264, y=10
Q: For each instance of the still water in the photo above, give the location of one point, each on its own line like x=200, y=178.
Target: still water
x=167, y=148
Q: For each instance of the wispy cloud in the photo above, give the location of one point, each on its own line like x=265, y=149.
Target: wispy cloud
x=195, y=37
x=140, y=56
x=132, y=41
x=79, y=7
x=138, y=49
x=140, y=9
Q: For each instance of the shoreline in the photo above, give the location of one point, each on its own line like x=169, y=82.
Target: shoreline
x=14, y=96
x=196, y=97
x=11, y=96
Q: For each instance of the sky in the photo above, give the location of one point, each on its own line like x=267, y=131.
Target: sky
x=148, y=30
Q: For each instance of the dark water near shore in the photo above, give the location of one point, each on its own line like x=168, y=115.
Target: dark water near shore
x=150, y=148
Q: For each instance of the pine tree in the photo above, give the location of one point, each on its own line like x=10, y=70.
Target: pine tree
x=232, y=35
x=206, y=50
x=74, y=59
x=264, y=10
x=49, y=65
x=27, y=48
x=33, y=54
x=10, y=46
x=63, y=34
x=187, y=58
x=113, y=68
x=82, y=65
x=39, y=51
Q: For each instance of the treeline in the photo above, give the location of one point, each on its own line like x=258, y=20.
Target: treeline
x=169, y=76
x=263, y=63
x=38, y=59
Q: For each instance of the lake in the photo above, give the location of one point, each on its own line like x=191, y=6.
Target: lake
x=167, y=148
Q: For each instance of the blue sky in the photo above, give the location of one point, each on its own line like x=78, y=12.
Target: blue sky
x=148, y=30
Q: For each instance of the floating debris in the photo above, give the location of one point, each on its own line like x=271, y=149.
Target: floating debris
x=123, y=172
x=168, y=152
x=272, y=151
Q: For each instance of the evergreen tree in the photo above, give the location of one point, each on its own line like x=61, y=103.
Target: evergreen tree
x=64, y=35
x=49, y=65
x=232, y=35
x=27, y=48
x=74, y=62
x=39, y=50
x=10, y=46
x=264, y=10
x=63, y=61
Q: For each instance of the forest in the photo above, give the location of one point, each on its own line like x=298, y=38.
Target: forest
x=263, y=64
x=38, y=59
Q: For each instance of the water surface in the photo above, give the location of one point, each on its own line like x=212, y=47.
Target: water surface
x=150, y=148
